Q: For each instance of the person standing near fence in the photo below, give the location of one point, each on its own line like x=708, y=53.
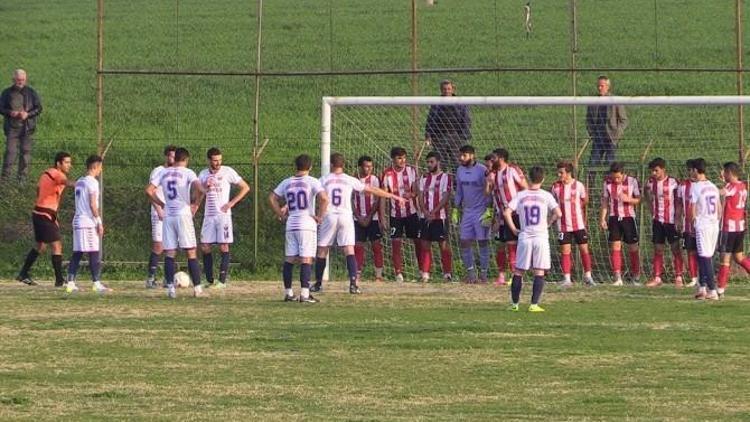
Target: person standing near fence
x=434, y=194
x=368, y=220
x=732, y=235
x=472, y=201
x=605, y=125
x=448, y=127
x=662, y=191
x=620, y=195
x=21, y=106
x=706, y=205
x=157, y=218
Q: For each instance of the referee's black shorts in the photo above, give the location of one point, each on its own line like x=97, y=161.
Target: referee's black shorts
x=46, y=229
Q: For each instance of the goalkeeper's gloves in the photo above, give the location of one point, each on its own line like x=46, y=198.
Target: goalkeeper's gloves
x=455, y=215
x=487, y=217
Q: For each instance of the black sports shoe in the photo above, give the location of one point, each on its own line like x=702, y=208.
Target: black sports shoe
x=316, y=288
x=59, y=283
x=27, y=280
x=291, y=298
x=355, y=290
x=308, y=299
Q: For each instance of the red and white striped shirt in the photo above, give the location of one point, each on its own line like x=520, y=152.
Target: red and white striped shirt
x=508, y=183
x=571, y=197
x=683, y=194
x=663, y=194
x=365, y=202
x=400, y=183
x=434, y=188
x=734, y=207
x=611, y=196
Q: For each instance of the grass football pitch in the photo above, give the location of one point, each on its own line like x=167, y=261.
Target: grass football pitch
x=397, y=352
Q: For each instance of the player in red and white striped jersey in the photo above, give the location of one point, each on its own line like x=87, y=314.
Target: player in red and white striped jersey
x=400, y=179
x=367, y=217
x=573, y=198
x=620, y=195
x=685, y=220
x=434, y=195
x=498, y=222
x=508, y=180
x=732, y=235
x=662, y=192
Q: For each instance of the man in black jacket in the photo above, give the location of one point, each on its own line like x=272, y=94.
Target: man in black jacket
x=20, y=105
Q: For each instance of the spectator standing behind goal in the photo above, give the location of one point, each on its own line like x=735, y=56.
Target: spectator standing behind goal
x=706, y=204
x=605, y=125
x=368, y=219
x=434, y=193
x=21, y=106
x=572, y=197
x=620, y=195
x=732, y=235
x=448, y=127
x=661, y=189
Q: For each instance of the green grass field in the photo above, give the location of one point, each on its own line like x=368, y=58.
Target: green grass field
x=397, y=352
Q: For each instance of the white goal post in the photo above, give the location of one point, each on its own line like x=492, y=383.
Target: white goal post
x=539, y=130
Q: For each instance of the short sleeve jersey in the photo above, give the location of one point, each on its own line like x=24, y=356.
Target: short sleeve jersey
x=611, y=196
x=176, y=182
x=705, y=195
x=434, y=188
x=364, y=202
x=570, y=197
x=663, y=194
x=218, y=186
x=86, y=187
x=159, y=192
x=533, y=207
x=734, y=207
x=339, y=187
x=50, y=188
x=399, y=182
x=299, y=192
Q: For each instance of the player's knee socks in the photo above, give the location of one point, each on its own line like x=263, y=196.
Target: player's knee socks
x=512, y=256
x=351, y=268
x=320, y=269
x=286, y=274
x=224, y=267
x=658, y=264
x=586, y=262
x=708, y=269
x=208, y=266
x=426, y=261
x=677, y=262
x=359, y=255
x=515, y=288
x=57, y=266
x=75, y=261
x=419, y=252
x=635, y=263
x=153, y=264
x=723, y=278
x=500, y=259
x=377, y=254
x=398, y=263
x=537, y=289
x=95, y=264
x=446, y=260
x=195, y=271
x=169, y=269
x=30, y=259
x=745, y=264
x=467, y=257
x=693, y=265
x=616, y=257
x=484, y=256
x=305, y=272
x=566, y=263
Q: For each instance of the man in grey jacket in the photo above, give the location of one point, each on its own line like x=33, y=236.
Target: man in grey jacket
x=20, y=105
x=605, y=124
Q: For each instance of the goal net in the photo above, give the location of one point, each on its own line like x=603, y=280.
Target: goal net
x=537, y=131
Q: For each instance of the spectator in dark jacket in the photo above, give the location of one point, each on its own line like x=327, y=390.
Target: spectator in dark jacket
x=448, y=127
x=20, y=105
x=605, y=125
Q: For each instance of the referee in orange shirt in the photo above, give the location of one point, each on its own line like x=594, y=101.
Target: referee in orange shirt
x=44, y=218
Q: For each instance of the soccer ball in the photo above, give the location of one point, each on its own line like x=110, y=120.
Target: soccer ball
x=182, y=279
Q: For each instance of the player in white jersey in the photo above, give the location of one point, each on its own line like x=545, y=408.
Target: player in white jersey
x=301, y=193
x=87, y=226
x=217, y=181
x=180, y=186
x=338, y=222
x=705, y=202
x=157, y=217
x=532, y=207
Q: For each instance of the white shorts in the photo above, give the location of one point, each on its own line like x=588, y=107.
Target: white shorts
x=157, y=228
x=301, y=243
x=533, y=253
x=338, y=226
x=85, y=239
x=706, y=236
x=217, y=229
x=179, y=232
